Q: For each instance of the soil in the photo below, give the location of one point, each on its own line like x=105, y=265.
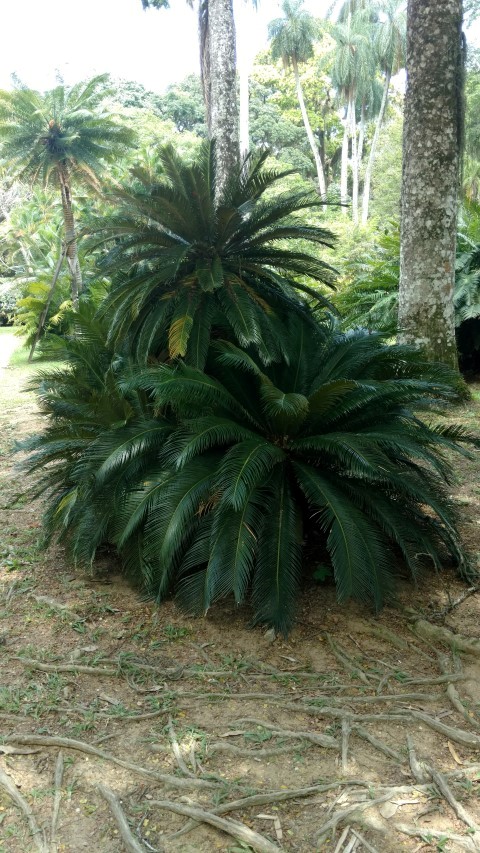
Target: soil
x=204, y=712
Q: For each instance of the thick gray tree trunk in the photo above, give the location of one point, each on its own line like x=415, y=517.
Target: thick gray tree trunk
x=432, y=132
x=223, y=112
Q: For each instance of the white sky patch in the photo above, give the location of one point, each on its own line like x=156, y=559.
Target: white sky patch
x=80, y=38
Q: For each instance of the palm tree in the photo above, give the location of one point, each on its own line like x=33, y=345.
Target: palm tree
x=62, y=137
x=390, y=46
x=185, y=263
x=292, y=39
x=353, y=69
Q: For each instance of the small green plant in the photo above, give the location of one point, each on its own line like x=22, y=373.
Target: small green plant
x=176, y=632
x=322, y=573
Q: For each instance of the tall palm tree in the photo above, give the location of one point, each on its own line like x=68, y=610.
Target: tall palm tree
x=292, y=39
x=390, y=46
x=62, y=137
x=353, y=69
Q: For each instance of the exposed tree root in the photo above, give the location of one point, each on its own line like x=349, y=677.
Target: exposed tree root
x=22, y=804
x=314, y=737
x=234, y=828
x=58, y=779
x=130, y=842
x=457, y=642
x=457, y=807
x=81, y=746
x=418, y=769
x=426, y=835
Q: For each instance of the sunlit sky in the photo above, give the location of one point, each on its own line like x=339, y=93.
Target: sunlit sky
x=85, y=37
x=79, y=38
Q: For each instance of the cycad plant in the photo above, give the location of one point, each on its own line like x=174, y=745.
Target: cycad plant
x=187, y=265
x=87, y=411
x=222, y=479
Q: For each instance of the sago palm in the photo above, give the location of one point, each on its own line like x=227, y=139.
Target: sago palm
x=62, y=137
x=186, y=265
x=328, y=448
x=88, y=414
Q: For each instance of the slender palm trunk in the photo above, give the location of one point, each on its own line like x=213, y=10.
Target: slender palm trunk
x=353, y=132
x=223, y=95
x=70, y=237
x=44, y=314
x=373, y=149
x=431, y=148
x=361, y=135
x=344, y=163
x=322, y=187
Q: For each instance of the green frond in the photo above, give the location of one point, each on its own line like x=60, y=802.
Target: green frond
x=360, y=557
x=278, y=569
x=245, y=467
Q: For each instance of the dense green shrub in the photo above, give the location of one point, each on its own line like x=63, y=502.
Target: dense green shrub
x=215, y=482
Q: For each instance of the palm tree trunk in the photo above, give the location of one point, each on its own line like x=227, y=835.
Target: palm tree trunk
x=373, y=150
x=344, y=163
x=353, y=132
x=361, y=137
x=431, y=153
x=223, y=91
x=44, y=314
x=70, y=237
x=313, y=145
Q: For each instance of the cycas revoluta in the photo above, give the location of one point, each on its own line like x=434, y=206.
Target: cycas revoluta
x=188, y=265
x=214, y=481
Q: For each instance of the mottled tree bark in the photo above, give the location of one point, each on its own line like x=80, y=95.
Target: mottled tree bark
x=223, y=113
x=431, y=153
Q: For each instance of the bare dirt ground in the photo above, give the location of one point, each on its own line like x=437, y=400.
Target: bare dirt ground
x=126, y=726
